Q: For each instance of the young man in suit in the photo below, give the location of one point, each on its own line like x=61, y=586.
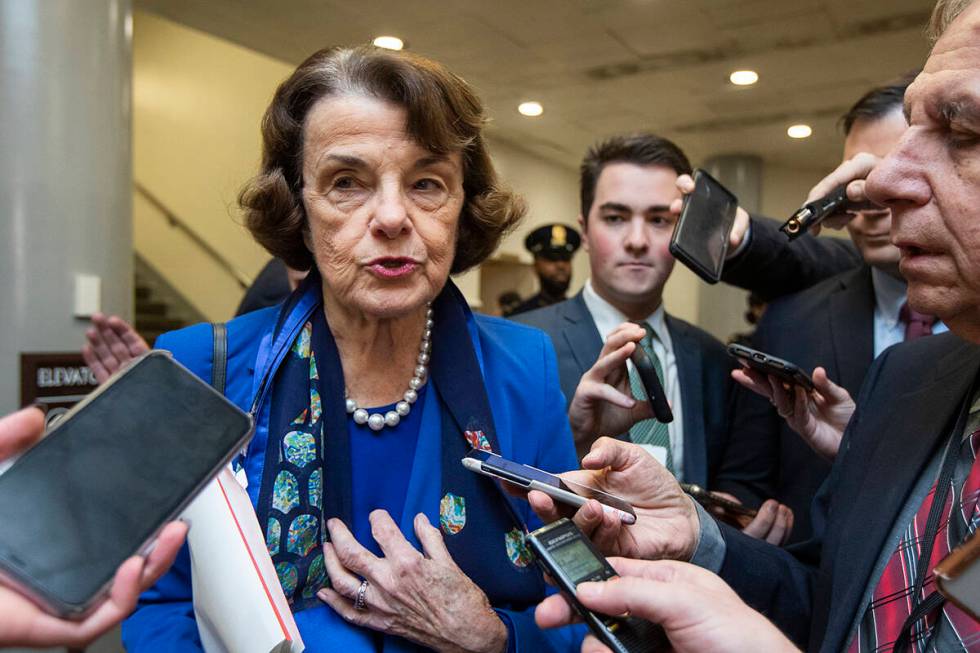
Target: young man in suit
x=840, y=325
x=904, y=487
x=627, y=186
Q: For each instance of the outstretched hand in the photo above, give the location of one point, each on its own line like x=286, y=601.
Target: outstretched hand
x=819, y=416
x=111, y=344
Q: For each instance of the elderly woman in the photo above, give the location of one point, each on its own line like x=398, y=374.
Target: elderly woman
x=374, y=379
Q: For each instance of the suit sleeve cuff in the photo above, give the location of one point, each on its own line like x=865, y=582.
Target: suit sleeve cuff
x=710, y=551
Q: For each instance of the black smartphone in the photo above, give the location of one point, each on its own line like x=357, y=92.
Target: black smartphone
x=101, y=484
x=569, y=558
x=532, y=478
x=728, y=511
x=700, y=239
x=651, y=384
x=766, y=364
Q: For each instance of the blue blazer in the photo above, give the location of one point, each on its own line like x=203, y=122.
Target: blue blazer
x=520, y=375
x=703, y=372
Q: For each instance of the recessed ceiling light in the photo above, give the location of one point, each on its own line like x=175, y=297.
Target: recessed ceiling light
x=744, y=77
x=389, y=42
x=799, y=131
x=530, y=109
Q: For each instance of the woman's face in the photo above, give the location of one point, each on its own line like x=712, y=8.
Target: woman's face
x=382, y=210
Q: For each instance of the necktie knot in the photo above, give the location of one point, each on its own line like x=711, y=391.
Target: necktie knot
x=916, y=324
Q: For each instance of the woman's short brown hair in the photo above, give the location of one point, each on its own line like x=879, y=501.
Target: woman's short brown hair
x=444, y=115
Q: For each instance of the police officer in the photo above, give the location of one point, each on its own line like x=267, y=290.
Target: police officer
x=552, y=247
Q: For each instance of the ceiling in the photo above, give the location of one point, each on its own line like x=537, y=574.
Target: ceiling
x=605, y=66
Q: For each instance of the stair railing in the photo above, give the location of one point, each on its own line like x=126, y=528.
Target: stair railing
x=175, y=222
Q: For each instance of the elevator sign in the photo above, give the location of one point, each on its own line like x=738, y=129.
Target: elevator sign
x=57, y=379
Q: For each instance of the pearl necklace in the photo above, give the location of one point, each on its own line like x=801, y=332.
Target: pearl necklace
x=377, y=421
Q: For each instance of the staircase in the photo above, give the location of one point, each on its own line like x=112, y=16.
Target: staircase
x=158, y=306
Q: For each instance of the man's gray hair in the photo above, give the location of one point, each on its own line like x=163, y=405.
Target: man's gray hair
x=944, y=13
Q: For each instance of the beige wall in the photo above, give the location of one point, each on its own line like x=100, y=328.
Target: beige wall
x=198, y=102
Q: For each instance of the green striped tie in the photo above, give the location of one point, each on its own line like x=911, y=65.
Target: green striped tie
x=650, y=431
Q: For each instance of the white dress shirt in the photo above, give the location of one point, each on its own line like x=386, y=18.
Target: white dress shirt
x=606, y=318
x=890, y=295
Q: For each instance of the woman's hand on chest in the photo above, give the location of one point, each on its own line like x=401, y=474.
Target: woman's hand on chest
x=424, y=597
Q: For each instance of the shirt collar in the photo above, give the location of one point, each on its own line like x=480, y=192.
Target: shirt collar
x=607, y=317
x=890, y=295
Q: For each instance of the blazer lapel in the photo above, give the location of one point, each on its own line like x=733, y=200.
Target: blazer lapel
x=908, y=438
x=687, y=353
x=580, y=333
x=852, y=328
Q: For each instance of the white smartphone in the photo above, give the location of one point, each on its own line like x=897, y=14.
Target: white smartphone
x=532, y=478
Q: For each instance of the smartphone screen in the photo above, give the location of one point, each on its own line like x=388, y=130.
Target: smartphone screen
x=700, y=239
x=108, y=476
x=492, y=461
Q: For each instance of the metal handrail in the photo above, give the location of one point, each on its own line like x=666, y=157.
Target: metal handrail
x=174, y=220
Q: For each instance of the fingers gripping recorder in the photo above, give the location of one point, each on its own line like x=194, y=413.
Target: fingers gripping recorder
x=815, y=212
x=569, y=558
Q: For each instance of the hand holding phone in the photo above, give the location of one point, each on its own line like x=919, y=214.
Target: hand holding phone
x=819, y=415
x=771, y=365
x=569, y=558
x=728, y=511
x=532, y=478
x=651, y=384
x=701, y=236
x=98, y=489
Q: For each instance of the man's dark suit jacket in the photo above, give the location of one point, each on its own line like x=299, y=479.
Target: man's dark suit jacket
x=905, y=415
x=829, y=325
x=703, y=371
x=773, y=266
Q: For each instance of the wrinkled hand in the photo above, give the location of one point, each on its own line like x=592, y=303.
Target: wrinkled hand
x=667, y=523
x=685, y=184
x=112, y=344
x=23, y=623
x=603, y=403
x=819, y=417
x=855, y=170
x=696, y=608
x=424, y=598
